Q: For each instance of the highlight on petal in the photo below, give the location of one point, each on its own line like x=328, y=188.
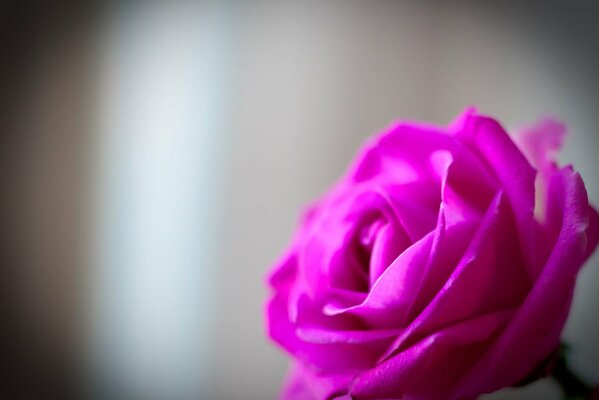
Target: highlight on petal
x=327, y=336
x=401, y=151
x=541, y=142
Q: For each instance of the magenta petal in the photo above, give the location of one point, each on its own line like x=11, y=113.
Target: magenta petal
x=284, y=272
x=295, y=387
x=478, y=284
x=485, y=136
x=341, y=298
x=391, y=292
x=541, y=142
x=329, y=254
x=448, y=246
x=415, y=206
x=305, y=384
x=429, y=368
x=326, y=336
x=592, y=232
x=412, y=278
x=401, y=151
x=336, y=357
x=535, y=329
x=384, y=250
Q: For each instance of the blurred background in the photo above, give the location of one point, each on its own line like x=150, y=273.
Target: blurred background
x=155, y=155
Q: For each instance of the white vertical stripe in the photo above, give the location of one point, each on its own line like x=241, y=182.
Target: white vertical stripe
x=157, y=206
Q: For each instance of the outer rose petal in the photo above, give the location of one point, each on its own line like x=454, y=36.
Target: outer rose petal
x=284, y=332
x=342, y=357
x=429, y=367
x=535, y=329
x=294, y=387
x=304, y=384
x=541, y=142
x=401, y=151
x=592, y=233
x=486, y=137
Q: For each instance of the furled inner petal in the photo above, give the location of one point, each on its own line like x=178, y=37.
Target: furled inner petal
x=410, y=280
x=352, y=244
x=400, y=289
x=390, y=294
x=384, y=250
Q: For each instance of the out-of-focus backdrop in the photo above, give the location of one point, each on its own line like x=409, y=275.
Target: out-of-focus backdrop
x=155, y=156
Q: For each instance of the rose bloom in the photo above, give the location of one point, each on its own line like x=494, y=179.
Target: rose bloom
x=431, y=270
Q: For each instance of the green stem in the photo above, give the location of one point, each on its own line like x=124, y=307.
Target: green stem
x=572, y=386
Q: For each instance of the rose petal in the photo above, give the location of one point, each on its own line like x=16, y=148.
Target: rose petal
x=283, y=272
x=390, y=294
x=334, y=357
x=536, y=327
x=400, y=285
x=386, y=248
x=592, y=233
x=448, y=247
x=329, y=252
x=304, y=384
x=486, y=137
x=294, y=387
x=396, y=289
x=401, y=151
x=326, y=336
x=415, y=206
x=416, y=372
x=541, y=142
x=489, y=277
x=445, y=254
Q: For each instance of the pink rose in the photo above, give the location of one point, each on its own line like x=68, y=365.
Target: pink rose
x=427, y=271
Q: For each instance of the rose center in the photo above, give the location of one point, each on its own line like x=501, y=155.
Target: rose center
x=367, y=237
